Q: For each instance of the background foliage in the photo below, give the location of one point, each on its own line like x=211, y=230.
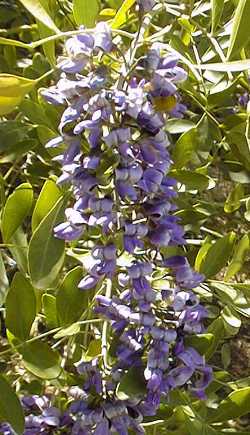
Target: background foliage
x=44, y=316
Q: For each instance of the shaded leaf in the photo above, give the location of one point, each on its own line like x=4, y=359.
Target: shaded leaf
x=49, y=308
x=41, y=360
x=11, y=410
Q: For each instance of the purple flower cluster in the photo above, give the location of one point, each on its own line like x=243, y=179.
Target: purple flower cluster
x=116, y=160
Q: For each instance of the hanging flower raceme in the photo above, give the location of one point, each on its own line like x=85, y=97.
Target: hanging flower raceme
x=116, y=162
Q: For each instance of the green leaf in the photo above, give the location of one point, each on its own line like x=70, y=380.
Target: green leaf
x=240, y=33
x=176, y=126
x=217, y=329
x=20, y=307
x=233, y=200
x=191, y=179
x=4, y=282
x=12, y=91
x=19, y=250
x=217, y=10
x=239, y=255
x=232, y=321
x=49, y=195
x=185, y=147
x=37, y=10
x=132, y=383
x=11, y=410
x=16, y=209
x=13, y=43
x=41, y=360
x=217, y=255
x=46, y=252
x=85, y=12
x=73, y=329
x=49, y=308
x=234, y=406
x=70, y=300
x=235, y=66
x=200, y=342
x=121, y=15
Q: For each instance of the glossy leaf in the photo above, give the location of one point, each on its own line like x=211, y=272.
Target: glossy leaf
x=70, y=300
x=20, y=307
x=85, y=12
x=16, y=209
x=240, y=32
x=37, y=10
x=11, y=410
x=12, y=91
x=217, y=255
x=46, y=252
x=41, y=360
x=48, y=197
x=121, y=15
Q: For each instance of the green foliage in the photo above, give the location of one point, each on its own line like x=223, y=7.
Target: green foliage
x=10, y=407
x=70, y=300
x=41, y=360
x=20, y=307
x=46, y=253
x=43, y=307
x=85, y=12
x=16, y=209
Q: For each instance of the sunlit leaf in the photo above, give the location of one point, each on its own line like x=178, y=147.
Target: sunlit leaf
x=121, y=15
x=70, y=300
x=217, y=10
x=20, y=307
x=37, y=10
x=240, y=32
x=16, y=209
x=85, y=12
x=46, y=252
x=234, y=406
x=217, y=256
x=49, y=195
x=239, y=255
x=12, y=91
